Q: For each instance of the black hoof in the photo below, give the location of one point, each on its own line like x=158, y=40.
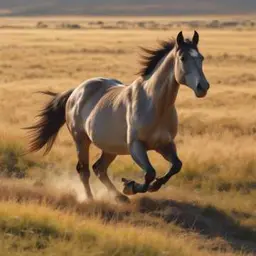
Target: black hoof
x=122, y=199
x=155, y=186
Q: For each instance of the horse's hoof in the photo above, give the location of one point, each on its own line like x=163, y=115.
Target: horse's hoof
x=155, y=186
x=122, y=199
x=128, y=187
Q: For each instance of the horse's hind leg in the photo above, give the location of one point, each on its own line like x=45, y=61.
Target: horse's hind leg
x=100, y=169
x=82, y=144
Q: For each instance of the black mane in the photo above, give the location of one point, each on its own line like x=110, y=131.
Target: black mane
x=151, y=58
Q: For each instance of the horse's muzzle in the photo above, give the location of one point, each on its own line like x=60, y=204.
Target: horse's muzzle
x=201, y=91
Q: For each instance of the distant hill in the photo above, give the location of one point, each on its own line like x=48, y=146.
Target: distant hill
x=125, y=7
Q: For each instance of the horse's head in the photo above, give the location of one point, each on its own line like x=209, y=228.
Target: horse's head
x=188, y=68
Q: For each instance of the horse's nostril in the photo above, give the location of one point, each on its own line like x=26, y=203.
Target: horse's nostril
x=199, y=87
x=203, y=88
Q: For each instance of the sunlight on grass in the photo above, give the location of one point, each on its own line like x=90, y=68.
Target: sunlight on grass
x=88, y=235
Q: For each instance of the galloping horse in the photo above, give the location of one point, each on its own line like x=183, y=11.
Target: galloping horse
x=126, y=120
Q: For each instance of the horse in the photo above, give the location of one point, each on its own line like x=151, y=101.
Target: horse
x=126, y=119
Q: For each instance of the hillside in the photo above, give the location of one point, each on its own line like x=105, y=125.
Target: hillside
x=124, y=7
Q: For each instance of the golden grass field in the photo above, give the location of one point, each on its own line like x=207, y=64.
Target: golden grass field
x=209, y=208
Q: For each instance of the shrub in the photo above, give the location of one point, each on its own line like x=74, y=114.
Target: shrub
x=13, y=162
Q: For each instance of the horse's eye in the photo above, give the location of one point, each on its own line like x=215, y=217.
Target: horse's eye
x=182, y=58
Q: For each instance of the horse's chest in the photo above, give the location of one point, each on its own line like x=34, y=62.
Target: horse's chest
x=159, y=136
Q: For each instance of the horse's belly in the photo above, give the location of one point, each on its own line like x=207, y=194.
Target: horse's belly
x=111, y=141
x=108, y=132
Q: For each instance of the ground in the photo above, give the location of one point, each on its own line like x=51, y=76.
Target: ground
x=207, y=209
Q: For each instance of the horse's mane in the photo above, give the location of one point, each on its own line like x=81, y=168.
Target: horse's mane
x=151, y=58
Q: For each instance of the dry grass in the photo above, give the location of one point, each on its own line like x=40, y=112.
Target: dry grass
x=206, y=230
x=216, y=137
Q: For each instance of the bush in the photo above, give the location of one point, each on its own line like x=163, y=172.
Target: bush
x=40, y=24
x=13, y=162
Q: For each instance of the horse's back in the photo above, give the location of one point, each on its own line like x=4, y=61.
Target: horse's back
x=93, y=87
x=97, y=107
x=90, y=91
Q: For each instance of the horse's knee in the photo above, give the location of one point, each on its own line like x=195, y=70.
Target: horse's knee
x=97, y=168
x=79, y=167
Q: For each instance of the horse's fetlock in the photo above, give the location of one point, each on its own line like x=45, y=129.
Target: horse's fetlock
x=150, y=176
x=144, y=189
x=177, y=166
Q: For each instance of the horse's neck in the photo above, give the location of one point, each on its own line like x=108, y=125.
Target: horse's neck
x=162, y=86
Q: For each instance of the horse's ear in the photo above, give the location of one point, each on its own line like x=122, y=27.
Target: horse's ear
x=180, y=39
x=195, y=39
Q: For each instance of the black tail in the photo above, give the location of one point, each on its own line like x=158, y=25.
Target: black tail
x=51, y=119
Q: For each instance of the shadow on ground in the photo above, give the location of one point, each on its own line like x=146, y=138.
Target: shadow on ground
x=207, y=221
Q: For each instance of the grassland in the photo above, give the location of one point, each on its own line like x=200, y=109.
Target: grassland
x=207, y=209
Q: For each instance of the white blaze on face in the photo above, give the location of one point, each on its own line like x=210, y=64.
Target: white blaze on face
x=193, y=53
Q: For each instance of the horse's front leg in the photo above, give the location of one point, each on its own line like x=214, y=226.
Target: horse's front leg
x=139, y=154
x=169, y=152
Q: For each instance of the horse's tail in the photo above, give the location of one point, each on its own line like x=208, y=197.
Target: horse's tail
x=51, y=118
